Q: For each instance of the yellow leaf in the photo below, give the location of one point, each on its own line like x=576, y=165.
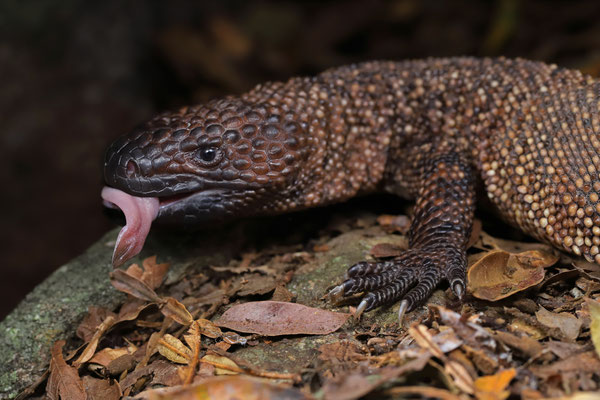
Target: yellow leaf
x=174, y=350
x=493, y=387
x=224, y=366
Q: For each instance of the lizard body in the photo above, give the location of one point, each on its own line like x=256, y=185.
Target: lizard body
x=425, y=129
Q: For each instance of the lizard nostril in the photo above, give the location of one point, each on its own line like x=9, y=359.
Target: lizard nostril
x=131, y=169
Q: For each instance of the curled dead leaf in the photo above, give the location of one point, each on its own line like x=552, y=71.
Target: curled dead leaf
x=499, y=274
x=176, y=311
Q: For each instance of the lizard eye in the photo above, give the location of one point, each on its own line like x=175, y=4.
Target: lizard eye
x=209, y=155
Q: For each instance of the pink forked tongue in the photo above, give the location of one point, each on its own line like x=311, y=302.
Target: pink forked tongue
x=139, y=214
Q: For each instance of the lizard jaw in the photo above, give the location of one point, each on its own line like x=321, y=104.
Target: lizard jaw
x=140, y=212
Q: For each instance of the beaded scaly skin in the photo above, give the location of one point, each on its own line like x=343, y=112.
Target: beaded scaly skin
x=426, y=130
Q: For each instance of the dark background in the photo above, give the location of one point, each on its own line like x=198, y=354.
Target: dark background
x=74, y=74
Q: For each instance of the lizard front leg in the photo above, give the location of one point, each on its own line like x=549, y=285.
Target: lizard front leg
x=438, y=238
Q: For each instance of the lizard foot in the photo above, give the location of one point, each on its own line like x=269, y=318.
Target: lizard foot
x=412, y=277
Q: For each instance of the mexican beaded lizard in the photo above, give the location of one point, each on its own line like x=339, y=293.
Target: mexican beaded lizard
x=426, y=130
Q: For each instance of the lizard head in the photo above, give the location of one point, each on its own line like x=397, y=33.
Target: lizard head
x=202, y=165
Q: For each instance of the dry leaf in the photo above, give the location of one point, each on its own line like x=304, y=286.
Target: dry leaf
x=424, y=392
x=173, y=309
x=101, y=389
x=95, y=316
x=154, y=273
x=493, y=387
x=568, y=324
x=499, y=274
x=457, y=371
x=589, y=269
x=226, y=388
x=274, y=318
x=282, y=294
x=356, y=384
x=129, y=284
x=173, y=349
x=594, y=307
x=579, y=363
x=161, y=372
x=223, y=365
x=192, y=338
x=90, y=349
x=510, y=246
x=394, y=223
x=386, y=250
x=108, y=355
x=64, y=381
x=208, y=328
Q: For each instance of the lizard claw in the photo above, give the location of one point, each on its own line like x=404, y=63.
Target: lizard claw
x=458, y=288
x=336, y=293
x=402, y=311
x=361, y=308
x=412, y=277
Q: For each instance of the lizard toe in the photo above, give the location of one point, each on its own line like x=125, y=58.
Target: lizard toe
x=412, y=277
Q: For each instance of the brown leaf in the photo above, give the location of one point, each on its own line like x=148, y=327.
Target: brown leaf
x=64, y=381
x=94, y=317
x=282, y=294
x=154, y=273
x=101, y=389
x=173, y=309
x=584, y=362
x=475, y=233
x=568, y=324
x=457, y=371
x=386, y=250
x=493, y=387
x=564, y=350
x=208, y=328
x=273, y=318
x=161, y=372
x=343, y=351
x=486, y=353
x=499, y=274
x=525, y=344
x=510, y=246
x=256, y=284
x=227, y=388
x=424, y=392
x=356, y=384
x=90, y=349
x=129, y=284
x=108, y=355
x=424, y=339
x=394, y=223
x=589, y=269
x=594, y=307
